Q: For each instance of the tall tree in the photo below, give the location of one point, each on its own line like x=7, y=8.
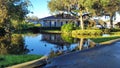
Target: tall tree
x=73, y=7
x=104, y=7
x=13, y=10
x=3, y=11
x=79, y=7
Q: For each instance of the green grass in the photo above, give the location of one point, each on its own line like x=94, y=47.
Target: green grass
x=104, y=39
x=115, y=33
x=8, y=60
x=52, y=31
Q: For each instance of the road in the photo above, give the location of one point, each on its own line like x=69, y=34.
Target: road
x=106, y=56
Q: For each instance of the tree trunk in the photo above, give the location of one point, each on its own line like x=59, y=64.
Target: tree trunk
x=111, y=20
x=81, y=21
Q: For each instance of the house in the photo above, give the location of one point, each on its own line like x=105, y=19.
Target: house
x=61, y=19
x=58, y=20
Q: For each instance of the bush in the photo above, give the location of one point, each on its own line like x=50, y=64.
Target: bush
x=67, y=27
x=115, y=33
x=87, y=32
x=114, y=30
x=117, y=25
x=106, y=31
x=2, y=31
x=37, y=25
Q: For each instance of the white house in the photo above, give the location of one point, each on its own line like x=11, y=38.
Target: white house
x=57, y=20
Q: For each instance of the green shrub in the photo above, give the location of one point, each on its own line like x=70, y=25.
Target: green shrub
x=114, y=30
x=30, y=25
x=2, y=31
x=67, y=27
x=106, y=31
x=37, y=25
x=87, y=32
x=115, y=33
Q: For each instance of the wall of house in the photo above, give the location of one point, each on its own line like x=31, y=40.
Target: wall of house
x=53, y=23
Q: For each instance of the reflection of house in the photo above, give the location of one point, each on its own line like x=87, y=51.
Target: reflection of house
x=54, y=39
x=59, y=20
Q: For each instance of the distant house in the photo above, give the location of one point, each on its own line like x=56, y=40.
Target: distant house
x=58, y=20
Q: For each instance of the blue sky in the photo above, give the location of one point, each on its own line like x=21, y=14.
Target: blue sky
x=39, y=8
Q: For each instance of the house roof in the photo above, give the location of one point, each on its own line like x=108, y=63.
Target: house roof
x=60, y=16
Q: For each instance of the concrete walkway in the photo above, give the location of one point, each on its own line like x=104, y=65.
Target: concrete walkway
x=98, y=57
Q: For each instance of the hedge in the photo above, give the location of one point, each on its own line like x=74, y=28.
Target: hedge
x=86, y=32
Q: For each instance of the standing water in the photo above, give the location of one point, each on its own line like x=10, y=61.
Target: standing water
x=41, y=44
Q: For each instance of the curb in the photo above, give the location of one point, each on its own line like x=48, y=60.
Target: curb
x=31, y=64
x=109, y=42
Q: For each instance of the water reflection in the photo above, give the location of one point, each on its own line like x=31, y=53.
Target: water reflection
x=57, y=39
x=42, y=44
x=61, y=44
x=86, y=43
x=12, y=44
x=65, y=44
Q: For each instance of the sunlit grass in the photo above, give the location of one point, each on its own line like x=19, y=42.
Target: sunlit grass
x=52, y=31
x=104, y=39
x=8, y=60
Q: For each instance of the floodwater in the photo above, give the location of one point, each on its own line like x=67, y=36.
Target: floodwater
x=42, y=44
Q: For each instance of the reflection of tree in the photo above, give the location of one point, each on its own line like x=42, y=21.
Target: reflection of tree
x=67, y=38
x=86, y=43
x=81, y=44
x=55, y=53
x=12, y=44
x=66, y=41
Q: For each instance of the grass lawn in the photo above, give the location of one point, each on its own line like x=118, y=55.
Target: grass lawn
x=52, y=31
x=8, y=60
x=104, y=39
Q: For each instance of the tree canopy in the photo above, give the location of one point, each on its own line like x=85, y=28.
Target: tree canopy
x=13, y=10
x=80, y=7
x=3, y=11
x=107, y=7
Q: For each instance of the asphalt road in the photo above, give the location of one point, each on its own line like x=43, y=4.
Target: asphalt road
x=106, y=56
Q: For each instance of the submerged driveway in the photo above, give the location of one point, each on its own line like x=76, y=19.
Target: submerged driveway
x=100, y=57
